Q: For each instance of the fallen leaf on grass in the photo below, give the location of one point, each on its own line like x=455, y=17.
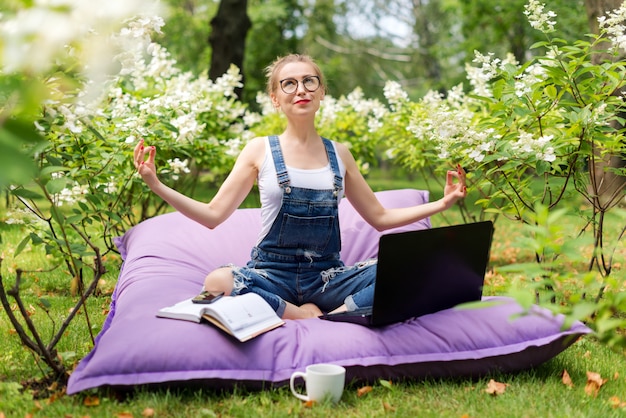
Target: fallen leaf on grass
x=148, y=412
x=617, y=402
x=91, y=401
x=124, y=415
x=309, y=404
x=364, y=390
x=566, y=379
x=495, y=388
x=388, y=407
x=594, y=383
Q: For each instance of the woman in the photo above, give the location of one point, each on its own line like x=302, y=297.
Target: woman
x=295, y=265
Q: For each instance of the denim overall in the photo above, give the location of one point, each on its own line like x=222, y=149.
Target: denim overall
x=298, y=261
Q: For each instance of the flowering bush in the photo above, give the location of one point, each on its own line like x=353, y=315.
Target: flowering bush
x=81, y=189
x=192, y=121
x=56, y=57
x=551, y=122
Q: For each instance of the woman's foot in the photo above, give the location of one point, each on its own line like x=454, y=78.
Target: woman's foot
x=312, y=309
x=308, y=310
x=342, y=308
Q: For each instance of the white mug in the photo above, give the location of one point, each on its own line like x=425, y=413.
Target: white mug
x=322, y=381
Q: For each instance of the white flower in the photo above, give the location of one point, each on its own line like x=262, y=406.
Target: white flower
x=329, y=109
x=187, y=125
x=176, y=166
x=547, y=155
x=539, y=19
x=251, y=118
x=234, y=147
x=613, y=25
x=456, y=96
x=38, y=36
x=374, y=124
x=395, y=95
x=227, y=83
x=521, y=89
x=72, y=195
x=111, y=186
x=267, y=108
x=480, y=77
x=526, y=144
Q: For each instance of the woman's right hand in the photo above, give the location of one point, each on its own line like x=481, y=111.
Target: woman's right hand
x=145, y=167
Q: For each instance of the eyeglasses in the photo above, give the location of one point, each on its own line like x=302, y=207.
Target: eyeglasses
x=310, y=84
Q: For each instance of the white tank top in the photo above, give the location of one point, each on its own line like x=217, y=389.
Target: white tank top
x=271, y=194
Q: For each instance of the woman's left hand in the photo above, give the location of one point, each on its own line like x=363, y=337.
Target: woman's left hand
x=454, y=191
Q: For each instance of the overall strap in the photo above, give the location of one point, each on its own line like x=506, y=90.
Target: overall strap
x=334, y=165
x=279, y=162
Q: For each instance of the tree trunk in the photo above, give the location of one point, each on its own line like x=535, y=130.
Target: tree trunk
x=607, y=185
x=228, y=37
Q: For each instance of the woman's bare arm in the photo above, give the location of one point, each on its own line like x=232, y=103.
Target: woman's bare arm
x=367, y=205
x=229, y=196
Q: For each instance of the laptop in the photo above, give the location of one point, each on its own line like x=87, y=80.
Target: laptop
x=425, y=271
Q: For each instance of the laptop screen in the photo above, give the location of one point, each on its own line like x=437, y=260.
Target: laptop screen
x=421, y=272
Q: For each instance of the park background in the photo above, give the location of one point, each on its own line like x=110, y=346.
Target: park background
x=523, y=94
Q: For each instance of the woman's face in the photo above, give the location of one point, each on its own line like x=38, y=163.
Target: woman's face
x=299, y=89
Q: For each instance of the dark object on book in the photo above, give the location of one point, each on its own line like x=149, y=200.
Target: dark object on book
x=207, y=297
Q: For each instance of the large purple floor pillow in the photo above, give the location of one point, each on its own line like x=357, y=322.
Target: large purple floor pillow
x=167, y=257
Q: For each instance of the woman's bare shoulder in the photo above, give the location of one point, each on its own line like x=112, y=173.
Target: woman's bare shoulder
x=344, y=152
x=254, y=151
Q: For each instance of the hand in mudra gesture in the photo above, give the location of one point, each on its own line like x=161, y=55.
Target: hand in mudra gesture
x=145, y=167
x=454, y=191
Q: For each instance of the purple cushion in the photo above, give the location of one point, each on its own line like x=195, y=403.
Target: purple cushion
x=167, y=257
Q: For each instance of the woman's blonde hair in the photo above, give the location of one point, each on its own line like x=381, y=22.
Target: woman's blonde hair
x=272, y=70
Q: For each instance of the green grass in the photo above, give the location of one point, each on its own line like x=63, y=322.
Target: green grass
x=534, y=393
x=538, y=392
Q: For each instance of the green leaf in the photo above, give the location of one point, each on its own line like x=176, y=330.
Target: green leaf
x=22, y=245
x=54, y=161
x=543, y=167
x=26, y=193
x=55, y=186
x=528, y=269
x=523, y=296
x=52, y=169
x=582, y=310
x=386, y=384
x=36, y=239
x=67, y=355
x=74, y=219
x=45, y=303
x=17, y=140
x=550, y=91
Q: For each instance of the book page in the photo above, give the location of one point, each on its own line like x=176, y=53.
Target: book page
x=239, y=312
x=185, y=310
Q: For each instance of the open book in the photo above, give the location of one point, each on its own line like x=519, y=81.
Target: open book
x=243, y=316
